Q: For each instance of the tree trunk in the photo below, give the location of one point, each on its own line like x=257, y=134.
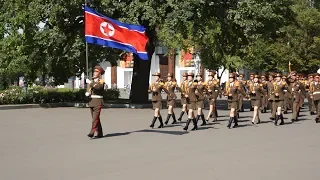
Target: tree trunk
x=140, y=78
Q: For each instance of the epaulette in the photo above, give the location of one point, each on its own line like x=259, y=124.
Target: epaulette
x=283, y=83
x=174, y=83
x=236, y=83
x=195, y=83
x=101, y=81
x=261, y=85
x=161, y=83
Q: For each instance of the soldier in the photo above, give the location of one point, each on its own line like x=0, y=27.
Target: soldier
x=95, y=94
x=315, y=90
x=170, y=85
x=271, y=96
x=264, y=98
x=248, y=83
x=200, y=92
x=286, y=102
x=255, y=90
x=232, y=90
x=277, y=92
x=243, y=85
x=156, y=88
x=310, y=101
x=190, y=94
x=213, y=88
x=182, y=89
x=298, y=91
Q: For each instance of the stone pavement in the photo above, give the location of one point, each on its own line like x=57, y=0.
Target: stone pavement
x=51, y=144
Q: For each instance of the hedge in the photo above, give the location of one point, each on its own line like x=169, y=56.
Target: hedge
x=39, y=94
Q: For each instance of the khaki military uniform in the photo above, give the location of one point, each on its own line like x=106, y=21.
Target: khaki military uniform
x=277, y=93
x=315, y=90
x=200, y=94
x=171, y=97
x=232, y=90
x=264, y=96
x=255, y=93
x=155, y=89
x=182, y=90
x=298, y=93
x=191, y=88
x=271, y=99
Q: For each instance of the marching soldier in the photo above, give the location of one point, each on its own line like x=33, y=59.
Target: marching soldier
x=156, y=88
x=232, y=91
x=264, y=97
x=248, y=83
x=315, y=90
x=310, y=101
x=271, y=96
x=243, y=85
x=255, y=92
x=213, y=88
x=298, y=92
x=277, y=92
x=286, y=102
x=190, y=94
x=95, y=94
x=182, y=89
x=170, y=85
x=201, y=90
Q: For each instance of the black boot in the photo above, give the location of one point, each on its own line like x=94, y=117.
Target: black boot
x=276, y=120
x=285, y=112
x=282, y=121
x=187, y=125
x=203, y=120
x=195, y=125
x=312, y=113
x=90, y=135
x=161, y=122
x=235, y=123
x=168, y=118
x=174, y=119
x=181, y=114
x=317, y=120
x=153, y=121
x=197, y=119
x=230, y=122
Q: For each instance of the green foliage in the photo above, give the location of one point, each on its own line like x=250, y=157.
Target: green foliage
x=39, y=94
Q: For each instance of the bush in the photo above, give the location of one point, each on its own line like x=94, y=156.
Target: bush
x=39, y=94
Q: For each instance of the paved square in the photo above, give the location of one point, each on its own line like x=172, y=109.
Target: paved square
x=51, y=144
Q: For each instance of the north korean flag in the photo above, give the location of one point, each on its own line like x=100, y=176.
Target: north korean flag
x=105, y=31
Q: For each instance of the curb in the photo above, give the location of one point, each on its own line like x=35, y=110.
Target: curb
x=75, y=105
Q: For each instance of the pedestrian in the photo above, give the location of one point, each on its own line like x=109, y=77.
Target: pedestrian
x=170, y=85
x=191, y=99
x=256, y=91
x=182, y=89
x=278, y=97
x=95, y=93
x=232, y=90
x=315, y=90
x=156, y=88
x=200, y=94
x=264, y=96
x=213, y=88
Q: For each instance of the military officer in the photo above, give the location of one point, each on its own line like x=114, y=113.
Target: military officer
x=200, y=94
x=182, y=89
x=271, y=96
x=310, y=101
x=315, y=90
x=243, y=84
x=213, y=88
x=264, y=98
x=170, y=85
x=298, y=91
x=255, y=93
x=248, y=83
x=232, y=90
x=277, y=92
x=287, y=95
x=191, y=97
x=156, y=88
x=95, y=93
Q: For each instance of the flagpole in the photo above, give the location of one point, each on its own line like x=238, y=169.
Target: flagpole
x=87, y=51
